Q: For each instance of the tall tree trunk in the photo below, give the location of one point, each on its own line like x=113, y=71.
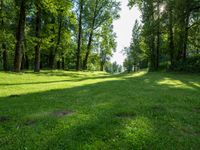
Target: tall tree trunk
x=58, y=40
x=79, y=36
x=37, y=33
x=85, y=61
x=102, y=66
x=23, y=56
x=5, y=58
x=58, y=64
x=158, y=37
x=63, y=62
x=186, y=36
x=4, y=49
x=23, y=62
x=153, y=54
x=52, y=57
x=26, y=61
x=20, y=37
x=171, y=37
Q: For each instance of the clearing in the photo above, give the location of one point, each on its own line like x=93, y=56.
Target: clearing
x=85, y=110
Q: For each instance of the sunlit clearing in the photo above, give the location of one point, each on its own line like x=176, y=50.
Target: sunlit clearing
x=138, y=74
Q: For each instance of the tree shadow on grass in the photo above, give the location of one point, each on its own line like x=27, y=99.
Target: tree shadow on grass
x=163, y=116
x=75, y=78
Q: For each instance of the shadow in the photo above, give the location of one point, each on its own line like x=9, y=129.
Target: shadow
x=164, y=115
x=73, y=75
x=57, y=81
x=26, y=83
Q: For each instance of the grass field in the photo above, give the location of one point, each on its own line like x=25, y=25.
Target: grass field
x=69, y=110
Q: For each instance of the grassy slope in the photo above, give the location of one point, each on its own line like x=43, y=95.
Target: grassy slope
x=134, y=111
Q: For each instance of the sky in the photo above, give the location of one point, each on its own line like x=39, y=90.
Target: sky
x=123, y=28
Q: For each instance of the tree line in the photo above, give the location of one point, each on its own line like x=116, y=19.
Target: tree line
x=168, y=36
x=61, y=34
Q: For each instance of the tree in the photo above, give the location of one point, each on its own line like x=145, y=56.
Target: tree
x=37, y=34
x=166, y=30
x=80, y=5
x=107, y=44
x=4, y=49
x=20, y=36
x=98, y=13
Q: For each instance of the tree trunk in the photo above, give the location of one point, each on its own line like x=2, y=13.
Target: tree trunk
x=26, y=61
x=90, y=38
x=158, y=37
x=51, y=57
x=58, y=64
x=153, y=55
x=23, y=62
x=20, y=37
x=171, y=38
x=186, y=36
x=79, y=37
x=5, y=58
x=59, y=31
x=88, y=51
x=63, y=62
x=102, y=66
x=37, y=33
x=4, y=49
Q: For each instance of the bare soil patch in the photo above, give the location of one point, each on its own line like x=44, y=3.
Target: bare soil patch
x=4, y=119
x=125, y=115
x=62, y=113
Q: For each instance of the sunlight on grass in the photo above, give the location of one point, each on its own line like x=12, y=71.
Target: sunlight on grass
x=138, y=131
x=137, y=74
x=77, y=110
x=195, y=84
x=24, y=83
x=174, y=83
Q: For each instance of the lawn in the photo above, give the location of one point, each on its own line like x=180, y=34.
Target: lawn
x=94, y=110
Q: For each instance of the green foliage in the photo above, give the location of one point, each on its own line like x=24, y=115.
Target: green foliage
x=191, y=64
x=54, y=32
x=136, y=54
x=169, y=31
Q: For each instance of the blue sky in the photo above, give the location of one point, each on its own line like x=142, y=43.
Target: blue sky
x=123, y=28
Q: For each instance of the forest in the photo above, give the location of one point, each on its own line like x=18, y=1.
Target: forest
x=60, y=34
x=78, y=35
x=168, y=36
x=68, y=82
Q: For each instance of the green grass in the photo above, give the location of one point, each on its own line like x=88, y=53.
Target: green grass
x=70, y=110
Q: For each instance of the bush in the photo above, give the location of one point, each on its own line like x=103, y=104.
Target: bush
x=191, y=64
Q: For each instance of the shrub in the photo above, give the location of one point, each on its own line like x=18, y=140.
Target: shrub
x=191, y=64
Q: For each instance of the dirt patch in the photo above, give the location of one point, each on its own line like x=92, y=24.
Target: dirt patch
x=125, y=115
x=189, y=130
x=62, y=113
x=30, y=122
x=4, y=119
x=196, y=109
